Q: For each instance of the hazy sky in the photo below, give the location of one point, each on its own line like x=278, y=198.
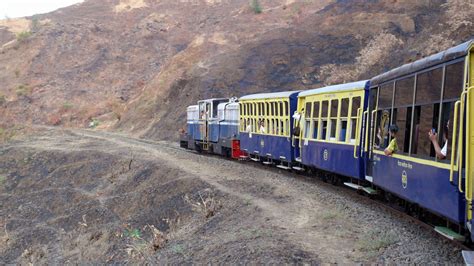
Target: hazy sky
x=22, y=8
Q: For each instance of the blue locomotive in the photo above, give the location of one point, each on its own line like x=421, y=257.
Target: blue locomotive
x=406, y=135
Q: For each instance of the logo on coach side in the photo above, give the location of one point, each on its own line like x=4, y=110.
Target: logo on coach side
x=404, y=179
x=325, y=154
x=262, y=143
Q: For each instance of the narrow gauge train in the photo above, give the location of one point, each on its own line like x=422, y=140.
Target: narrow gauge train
x=406, y=135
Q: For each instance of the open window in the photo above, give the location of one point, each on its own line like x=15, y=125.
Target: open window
x=384, y=111
x=343, y=119
x=324, y=119
x=426, y=113
x=315, y=120
x=333, y=119
x=307, y=118
x=402, y=112
x=353, y=121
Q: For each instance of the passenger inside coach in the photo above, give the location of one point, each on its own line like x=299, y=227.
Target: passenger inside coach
x=433, y=136
x=392, y=147
x=262, y=126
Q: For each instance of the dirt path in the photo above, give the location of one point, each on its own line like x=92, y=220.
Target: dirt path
x=267, y=215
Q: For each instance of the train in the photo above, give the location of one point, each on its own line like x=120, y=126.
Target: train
x=405, y=136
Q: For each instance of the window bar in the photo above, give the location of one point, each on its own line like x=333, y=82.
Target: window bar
x=412, y=127
x=390, y=122
x=441, y=107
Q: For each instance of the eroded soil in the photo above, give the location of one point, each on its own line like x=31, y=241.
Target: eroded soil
x=85, y=196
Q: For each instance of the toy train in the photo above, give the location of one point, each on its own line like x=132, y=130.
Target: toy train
x=406, y=135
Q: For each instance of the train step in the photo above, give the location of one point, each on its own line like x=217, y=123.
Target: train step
x=283, y=167
x=297, y=168
x=468, y=257
x=370, y=190
x=243, y=157
x=267, y=162
x=448, y=233
x=255, y=159
x=367, y=190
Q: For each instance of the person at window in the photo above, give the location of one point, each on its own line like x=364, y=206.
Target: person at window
x=440, y=152
x=392, y=147
x=249, y=126
x=262, y=127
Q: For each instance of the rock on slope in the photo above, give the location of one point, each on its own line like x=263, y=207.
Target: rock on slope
x=134, y=65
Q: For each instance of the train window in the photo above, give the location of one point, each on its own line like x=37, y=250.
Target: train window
x=308, y=110
x=267, y=105
x=355, y=105
x=334, y=106
x=316, y=110
x=454, y=81
x=344, y=107
x=282, y=127
x=324, y=128
x=425, y=120
x=287, y=109
x=333, y=121
x=307, y=127
x=280, y=104
x=446, y=129
x=404, y=92
x=402, y=118
x=324, y=109
x=315, y=128
x=428, y=86
x=287, y=127
x=343, y=120
x=382, y=125
x=353, y=122
x=353, y=129
x=452, y=92
x=385, y=96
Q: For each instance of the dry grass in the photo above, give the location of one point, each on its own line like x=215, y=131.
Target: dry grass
x=374, y=240
x=207, y=204
x=127, y=5
x=373, y=54
x=16, y=25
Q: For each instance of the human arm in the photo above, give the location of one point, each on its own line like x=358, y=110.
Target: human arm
x=440, y=153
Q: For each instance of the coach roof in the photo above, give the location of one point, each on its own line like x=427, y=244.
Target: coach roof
x=439, y=58
x=271, y=95
x=335, y=88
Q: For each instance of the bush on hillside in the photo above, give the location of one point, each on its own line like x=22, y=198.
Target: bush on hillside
x=256, y=7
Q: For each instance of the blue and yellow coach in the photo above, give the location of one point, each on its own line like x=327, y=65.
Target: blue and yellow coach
x=430, y=102
x=265, y=127
x=330, y=119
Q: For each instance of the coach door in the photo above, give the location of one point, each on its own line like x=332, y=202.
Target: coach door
x=204, y=112
x=467, y=99
x=369, y=131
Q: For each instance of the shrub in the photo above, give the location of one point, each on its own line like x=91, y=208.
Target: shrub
x=67, y=105
x=3, y=99
x=94, y=123
x=22, y=36
x=34, y=25
x=23, y=90
x=256, y=7
x=374, y=240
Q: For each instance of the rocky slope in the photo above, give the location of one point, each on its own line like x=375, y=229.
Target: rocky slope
x=133, y=65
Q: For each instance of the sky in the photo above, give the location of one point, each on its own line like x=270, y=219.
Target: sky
x=22, y=8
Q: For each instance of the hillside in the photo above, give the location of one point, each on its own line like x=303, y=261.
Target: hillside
x=133, y=65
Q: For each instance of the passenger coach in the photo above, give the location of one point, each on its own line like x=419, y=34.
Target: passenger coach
x=330, y=119
x=265, y=127
x=430, y=101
